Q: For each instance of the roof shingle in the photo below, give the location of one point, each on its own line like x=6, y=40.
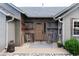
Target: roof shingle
x=41, y=11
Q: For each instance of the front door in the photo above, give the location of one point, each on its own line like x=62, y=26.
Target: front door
x=39, y=31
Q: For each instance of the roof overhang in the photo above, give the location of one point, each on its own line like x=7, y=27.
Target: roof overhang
x=18, y=9
x=66, y=11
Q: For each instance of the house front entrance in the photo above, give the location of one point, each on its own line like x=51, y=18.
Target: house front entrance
x=41, y=31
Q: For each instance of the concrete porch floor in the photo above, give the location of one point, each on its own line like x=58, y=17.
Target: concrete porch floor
x=40, y=47
x=38, y=44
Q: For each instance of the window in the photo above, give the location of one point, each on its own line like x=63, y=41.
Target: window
x=76, y=27
x=50, y=24
x=29, y=26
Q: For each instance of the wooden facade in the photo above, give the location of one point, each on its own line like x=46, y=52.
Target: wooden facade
x=40, y=29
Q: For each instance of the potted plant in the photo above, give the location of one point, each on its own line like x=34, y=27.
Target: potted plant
x=49, y=41
x=59, y=43
x=11, y=46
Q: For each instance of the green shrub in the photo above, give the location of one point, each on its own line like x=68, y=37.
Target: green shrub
x=72, y=45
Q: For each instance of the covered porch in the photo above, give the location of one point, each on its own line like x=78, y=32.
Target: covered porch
x=40, y=29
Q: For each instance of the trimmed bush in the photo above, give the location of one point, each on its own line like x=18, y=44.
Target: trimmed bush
x=72, y=45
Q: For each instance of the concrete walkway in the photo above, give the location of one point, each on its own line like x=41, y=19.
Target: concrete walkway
x=40, y=48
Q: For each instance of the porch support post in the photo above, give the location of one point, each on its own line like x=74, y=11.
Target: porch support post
x=6, y=45
x=58, y=31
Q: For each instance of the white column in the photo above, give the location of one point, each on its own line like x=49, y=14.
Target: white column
x=6, y=34
x=59, y=30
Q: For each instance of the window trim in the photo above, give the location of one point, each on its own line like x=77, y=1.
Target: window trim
x=74, y=20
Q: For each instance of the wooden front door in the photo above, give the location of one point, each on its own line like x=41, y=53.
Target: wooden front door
x=39, y=32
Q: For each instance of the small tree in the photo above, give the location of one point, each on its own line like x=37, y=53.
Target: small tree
x=72, y=45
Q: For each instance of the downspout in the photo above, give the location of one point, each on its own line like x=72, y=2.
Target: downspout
x=7, y=32
x=59, y=19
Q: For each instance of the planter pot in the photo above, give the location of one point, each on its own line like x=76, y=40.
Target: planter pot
x=11, y=47
x=59, y=45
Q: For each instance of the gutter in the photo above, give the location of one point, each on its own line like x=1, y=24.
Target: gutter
x=59, y=19
x=11, y=19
